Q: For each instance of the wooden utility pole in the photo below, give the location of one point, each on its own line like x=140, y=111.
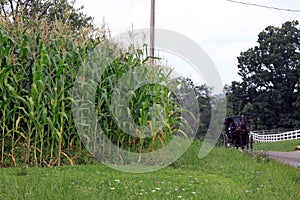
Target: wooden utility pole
x=152, y=28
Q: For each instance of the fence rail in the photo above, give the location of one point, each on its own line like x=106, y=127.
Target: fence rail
x=274, y=131
x=290, y=135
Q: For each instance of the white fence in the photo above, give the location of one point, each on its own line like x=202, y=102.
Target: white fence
x=262, y=137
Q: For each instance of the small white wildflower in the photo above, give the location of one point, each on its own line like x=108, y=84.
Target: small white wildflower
x=193, y=193
x=153, y=190
x=112, y=188
x=158, y=189
x=179, y=197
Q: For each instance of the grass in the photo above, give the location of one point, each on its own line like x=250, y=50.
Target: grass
x=223, y=174
x=278, y=146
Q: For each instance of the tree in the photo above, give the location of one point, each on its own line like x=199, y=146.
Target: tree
x=271, y=77
x=236, y=96
x=49, y=10
x=203, y=93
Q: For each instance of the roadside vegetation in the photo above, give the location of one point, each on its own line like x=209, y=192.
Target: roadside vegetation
x=223, y=174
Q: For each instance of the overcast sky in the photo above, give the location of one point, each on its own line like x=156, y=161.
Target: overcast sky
x=223, y=29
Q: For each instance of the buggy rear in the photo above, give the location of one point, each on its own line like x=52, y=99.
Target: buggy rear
x=237, y=132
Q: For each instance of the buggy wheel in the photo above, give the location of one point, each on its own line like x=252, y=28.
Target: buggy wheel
x=223, y=139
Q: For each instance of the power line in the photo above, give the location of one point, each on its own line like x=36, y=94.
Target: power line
x=125, y=19
x=264, y=6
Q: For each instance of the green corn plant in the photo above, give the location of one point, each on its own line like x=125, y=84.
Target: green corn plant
x=38, y=69
x=143, y=100
x=9, y=92
x=43, y=61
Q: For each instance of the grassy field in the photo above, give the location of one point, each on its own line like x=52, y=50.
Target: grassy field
x=223, y=174
x=278, y=146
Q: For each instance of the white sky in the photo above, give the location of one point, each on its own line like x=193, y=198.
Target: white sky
x=223, y=29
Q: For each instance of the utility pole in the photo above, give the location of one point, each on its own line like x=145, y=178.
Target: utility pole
x=152, y=28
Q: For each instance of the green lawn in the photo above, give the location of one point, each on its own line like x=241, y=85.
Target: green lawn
x=223, y=174
x=278, y=146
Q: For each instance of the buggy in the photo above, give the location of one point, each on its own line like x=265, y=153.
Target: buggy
x=237, y=133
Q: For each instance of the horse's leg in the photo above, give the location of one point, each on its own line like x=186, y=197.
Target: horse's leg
x=247, y=140
x=251, y=141
x=242, y=141
x=237, y=140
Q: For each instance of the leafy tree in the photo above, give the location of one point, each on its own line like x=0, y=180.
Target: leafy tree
x=203, y=94
x=236, y=95
x=270, y=78
x=49, y=10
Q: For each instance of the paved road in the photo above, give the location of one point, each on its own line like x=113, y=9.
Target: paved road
x=291, y=158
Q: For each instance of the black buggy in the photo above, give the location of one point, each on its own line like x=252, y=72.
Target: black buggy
x=237, y=133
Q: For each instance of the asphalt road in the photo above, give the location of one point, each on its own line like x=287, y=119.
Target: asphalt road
x=291, y=158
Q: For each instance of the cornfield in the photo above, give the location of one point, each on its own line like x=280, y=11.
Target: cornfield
x=39, y=63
